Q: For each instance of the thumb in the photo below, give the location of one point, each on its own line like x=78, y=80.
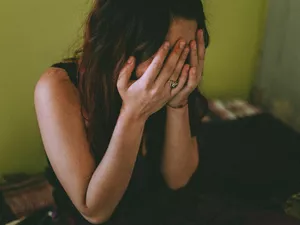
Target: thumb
x=125, y=74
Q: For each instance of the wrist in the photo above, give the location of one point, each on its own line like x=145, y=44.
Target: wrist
x=132, y=115
x=178, y=110
x=178, y=106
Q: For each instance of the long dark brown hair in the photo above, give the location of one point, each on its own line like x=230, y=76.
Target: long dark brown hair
x=116, y=30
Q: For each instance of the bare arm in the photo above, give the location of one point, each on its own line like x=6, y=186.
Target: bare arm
x=95, y=191
x=180, y=153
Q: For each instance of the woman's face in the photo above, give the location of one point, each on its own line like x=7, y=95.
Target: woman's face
x=180, y=28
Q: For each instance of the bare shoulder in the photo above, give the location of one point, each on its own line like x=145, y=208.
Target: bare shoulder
x=54, y=86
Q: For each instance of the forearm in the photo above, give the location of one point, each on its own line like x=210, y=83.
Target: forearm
x=113, y=174
x=180, y=153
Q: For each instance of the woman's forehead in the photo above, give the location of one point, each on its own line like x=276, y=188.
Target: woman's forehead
x=182, y=28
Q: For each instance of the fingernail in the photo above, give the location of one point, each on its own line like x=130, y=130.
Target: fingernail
x=182, y=44
x=130, y=60
x=167, y=45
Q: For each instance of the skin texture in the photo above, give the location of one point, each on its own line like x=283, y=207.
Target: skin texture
x=180, y=153
x=96, y=190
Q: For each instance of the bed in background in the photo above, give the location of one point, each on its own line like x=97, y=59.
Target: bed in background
x=246, y=155
x=23, y=195
x=268, y=151
x=230, y=110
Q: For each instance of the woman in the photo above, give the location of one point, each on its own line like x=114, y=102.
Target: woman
x=119, y=121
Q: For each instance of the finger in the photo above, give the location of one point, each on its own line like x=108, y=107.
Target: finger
x=193, y=54
x=201, y=53
x=192, y=82
x=180, y=64
x=201, y=45
x=200, y=71
x=182, y=80
x=170, y=65
x=157, y=63
x=125, y=74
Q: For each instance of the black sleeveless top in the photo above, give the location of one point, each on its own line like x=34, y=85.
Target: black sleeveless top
x=147, y=195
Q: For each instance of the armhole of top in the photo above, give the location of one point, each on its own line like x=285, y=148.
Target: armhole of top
x=71, y=69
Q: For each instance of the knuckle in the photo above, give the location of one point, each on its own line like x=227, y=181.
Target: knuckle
x=152, y=93
x=144, y=88
x=155, y=91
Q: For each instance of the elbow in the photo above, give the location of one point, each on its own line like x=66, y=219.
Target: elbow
x=98, y=219
x=176, y=180
x=176, y=184
x=96, y=216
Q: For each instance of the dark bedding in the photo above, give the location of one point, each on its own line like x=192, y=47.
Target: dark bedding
x=256, y=157
x=248, y=169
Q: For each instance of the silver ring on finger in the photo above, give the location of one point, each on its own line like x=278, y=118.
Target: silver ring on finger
x=173, y=84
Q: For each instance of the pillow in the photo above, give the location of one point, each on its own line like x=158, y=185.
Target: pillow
x=23, y=195
x=230, y=110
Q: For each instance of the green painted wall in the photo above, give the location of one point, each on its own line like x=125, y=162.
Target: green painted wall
x=33, y=35
x=236, y=28
x=36, y=33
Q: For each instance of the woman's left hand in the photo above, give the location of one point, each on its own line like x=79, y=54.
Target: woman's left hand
x=197, y=53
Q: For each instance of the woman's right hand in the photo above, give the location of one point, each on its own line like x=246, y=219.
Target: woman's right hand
x=152, y=91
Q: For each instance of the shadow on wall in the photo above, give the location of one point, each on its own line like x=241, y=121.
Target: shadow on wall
x=278, y=77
